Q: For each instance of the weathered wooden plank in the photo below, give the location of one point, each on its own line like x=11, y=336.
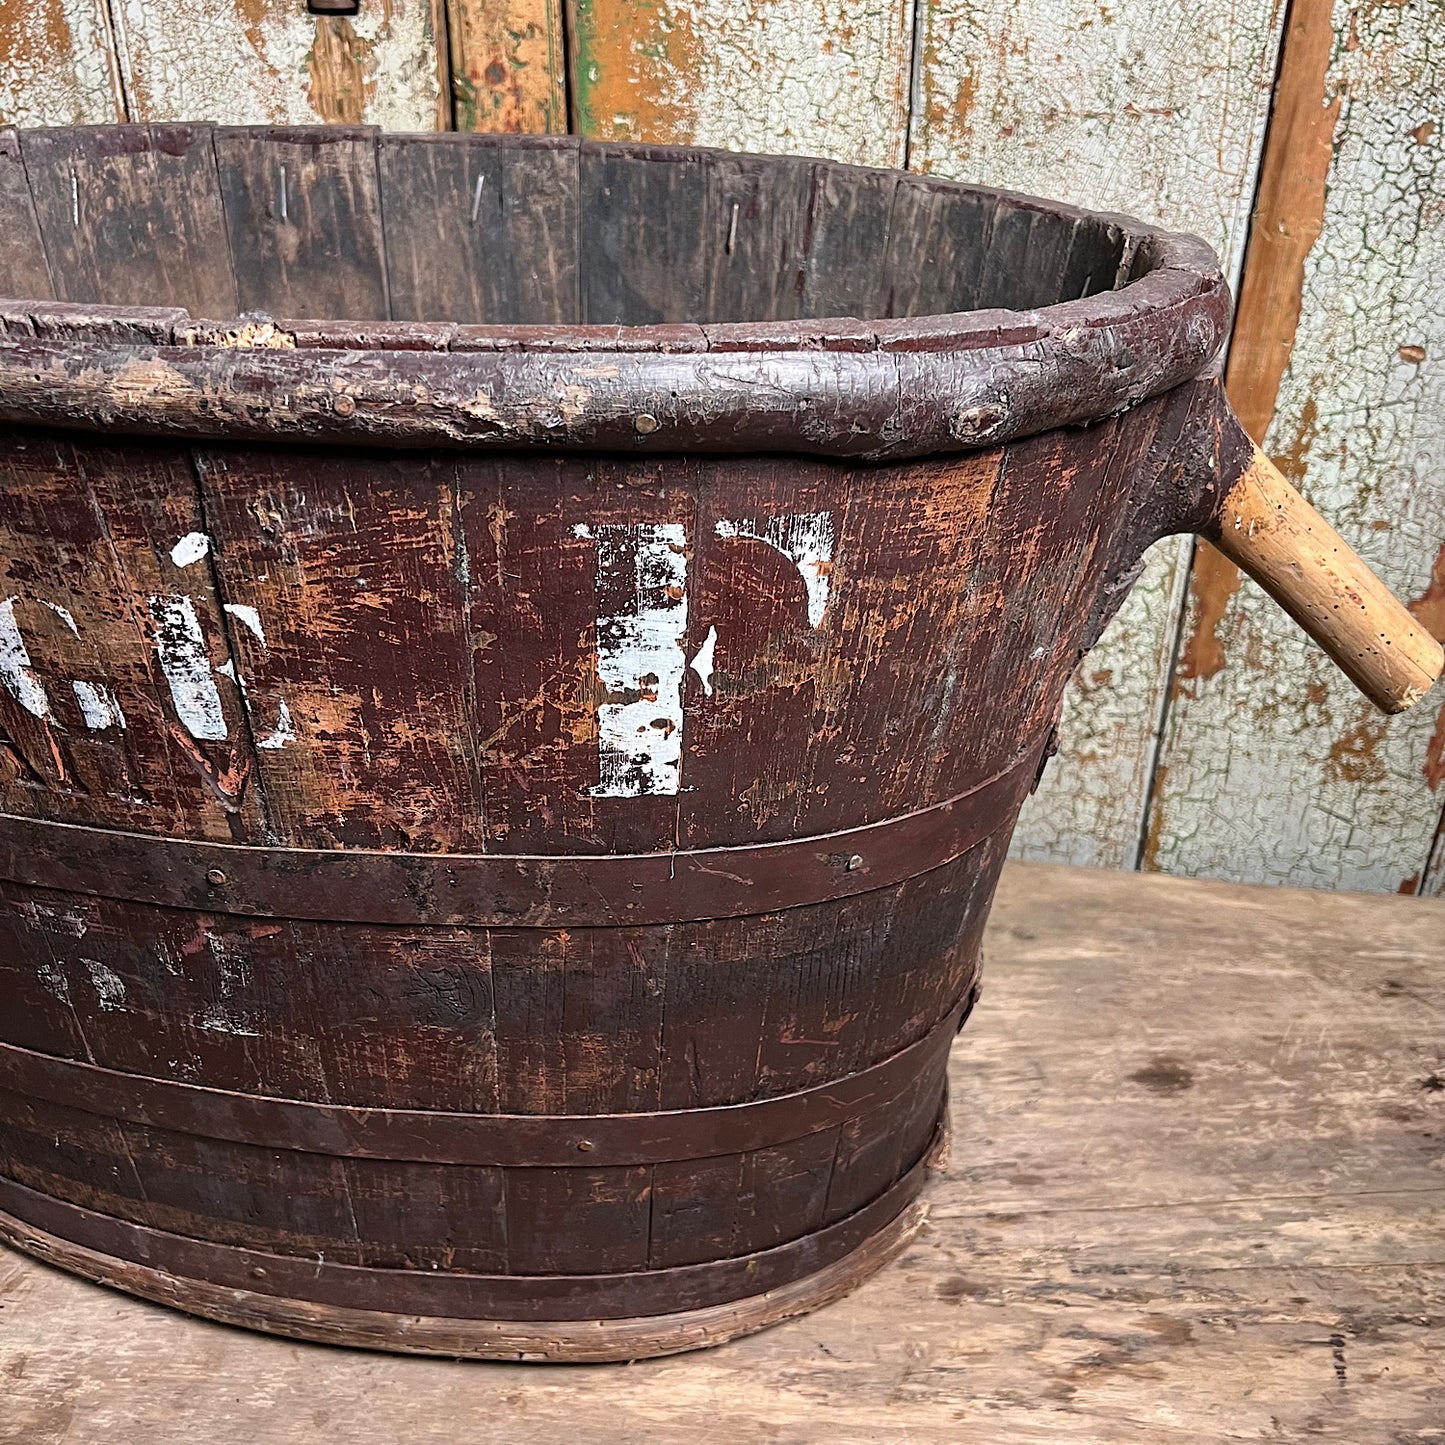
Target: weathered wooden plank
x=131, y=216
x=23, y=270
x=508, y=65
x=353, y=641
x=757, y=214
x=271, y=62
x=1140, y=1224
x=1313, y=786
x=1155, y=109
x=762, y=75
x=480, y=232
x=303, y=210
x=642, y=254
x=57, y=64
x=118, y=705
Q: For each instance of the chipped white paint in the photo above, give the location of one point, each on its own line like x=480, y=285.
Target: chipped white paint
x=98, y=706
x=108, y=985
x=62, y=921
x=56, y=63
x=805, y=539
x=702, y=663
x=640, y=657
x=63, y=613
x=53, y=982
x=1155, y=108
x=191, y=548
x=223, y=1013
x=285, y=731
x=16, y=672
x=181, y=647
x=1275, y=769
x=250, y=619
x=808, y=78
x=269, y=62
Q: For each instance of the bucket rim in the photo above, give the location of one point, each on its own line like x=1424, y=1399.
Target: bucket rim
x=871, y=389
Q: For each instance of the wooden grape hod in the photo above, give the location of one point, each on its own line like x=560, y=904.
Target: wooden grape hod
x=519, y=662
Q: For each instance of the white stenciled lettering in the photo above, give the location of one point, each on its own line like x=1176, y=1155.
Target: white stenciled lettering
x=181, y=646
x=98, y=706
x=15, y=670
x=642, y=572
x=805, y=539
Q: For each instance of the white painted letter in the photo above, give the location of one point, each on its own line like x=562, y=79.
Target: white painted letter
x=15, y=670
x=640, y=657
x=805, y=539
x=182, y=649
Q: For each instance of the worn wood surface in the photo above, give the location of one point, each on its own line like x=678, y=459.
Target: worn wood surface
x=1313, y=787
x=270, y=62
x=1195, y=1194
x=760, y=75
x=508, y=65
x=1154, y=109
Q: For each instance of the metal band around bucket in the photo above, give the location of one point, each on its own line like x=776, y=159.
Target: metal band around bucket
x=506, y=1140
x=508, y=890
x=324, y=1284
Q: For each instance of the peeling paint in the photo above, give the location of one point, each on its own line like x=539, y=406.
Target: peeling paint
x=270, y=62
x=284, y=733
x=640, y=657
x=249, y=618
x=98, y=706
x=805, y=539
x=181, y=646
x=799, y=76
x=53, y=982
x=1262, y=782
x=191, y=548
x=108, y=985
x=702, y=662
x=508, y=65
x=1160, y=112
x=16, y=672
x=55, y=64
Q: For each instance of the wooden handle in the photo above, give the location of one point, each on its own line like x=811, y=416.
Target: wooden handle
x=1273, y=534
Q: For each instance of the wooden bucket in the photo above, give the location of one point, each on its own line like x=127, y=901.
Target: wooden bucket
x=503, y=782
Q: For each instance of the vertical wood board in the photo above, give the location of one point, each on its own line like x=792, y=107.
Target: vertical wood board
x=508, y=65
x=270, y=62
x=57, y=64
x=131, y=216
x=811, y=78
x=1312, y=786
x=1151, y=109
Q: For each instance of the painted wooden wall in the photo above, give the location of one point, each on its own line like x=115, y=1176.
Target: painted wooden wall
x=1203, y=735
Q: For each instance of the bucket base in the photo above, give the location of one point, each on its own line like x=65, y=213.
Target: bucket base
x=563, y=1341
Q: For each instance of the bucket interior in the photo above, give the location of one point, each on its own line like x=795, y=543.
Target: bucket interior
x=520, y=231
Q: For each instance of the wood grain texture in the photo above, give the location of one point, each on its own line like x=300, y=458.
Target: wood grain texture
x=1141, y=1223
x=57, y=64
x=1328, y=794
x=1269, y=531
x=132, y=216
x=761, y=75
x=257, y=62
x=303, y=212
x=1151, y=109
x=508, y=65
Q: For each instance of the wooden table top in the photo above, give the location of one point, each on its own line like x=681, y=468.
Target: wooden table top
x=1196, y=1194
